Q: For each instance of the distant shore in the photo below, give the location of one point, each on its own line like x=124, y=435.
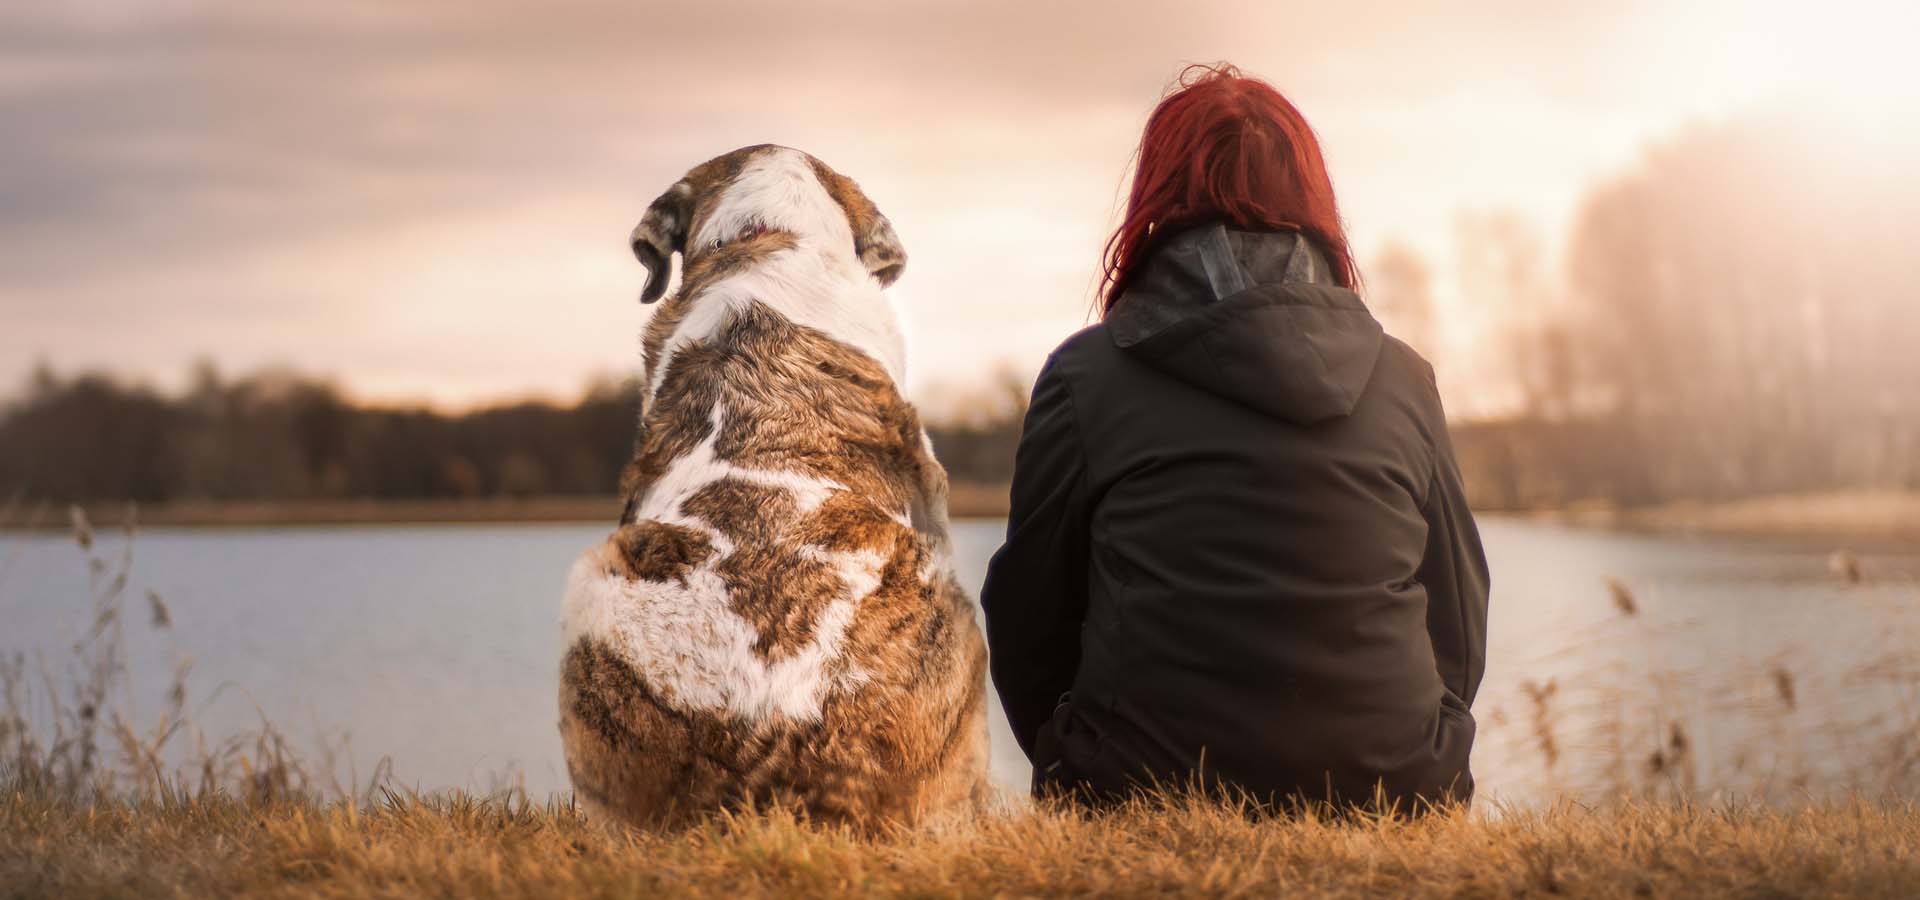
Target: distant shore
x=1865, y=518
x=965, y=501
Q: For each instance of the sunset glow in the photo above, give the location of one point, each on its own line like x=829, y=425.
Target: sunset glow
x=432, y=207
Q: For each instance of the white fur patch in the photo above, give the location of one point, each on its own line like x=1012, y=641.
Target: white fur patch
x=685, y=640
x=819, y=284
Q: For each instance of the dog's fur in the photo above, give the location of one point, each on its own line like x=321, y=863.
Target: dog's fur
x=776, y=618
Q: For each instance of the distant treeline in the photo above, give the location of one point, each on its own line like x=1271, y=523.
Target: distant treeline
x=1739, y=315
x=284, y=437
x=279, y=437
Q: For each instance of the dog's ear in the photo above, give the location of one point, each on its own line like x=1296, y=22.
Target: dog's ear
x=879, y=248
x=873, y=238
x=661, y=233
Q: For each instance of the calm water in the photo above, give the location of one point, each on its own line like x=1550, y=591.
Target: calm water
x=437, y=646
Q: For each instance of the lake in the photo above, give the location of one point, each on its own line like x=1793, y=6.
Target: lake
x=1742, y=667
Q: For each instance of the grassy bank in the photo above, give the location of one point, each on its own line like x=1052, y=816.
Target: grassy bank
x=457, y=846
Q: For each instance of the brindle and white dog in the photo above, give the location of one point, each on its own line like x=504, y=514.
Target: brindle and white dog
x=777, y=617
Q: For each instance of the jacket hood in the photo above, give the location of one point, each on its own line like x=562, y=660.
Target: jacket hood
x=1251, y=316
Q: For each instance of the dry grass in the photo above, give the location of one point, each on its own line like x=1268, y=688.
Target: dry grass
x=77, y=734
x=458, y=846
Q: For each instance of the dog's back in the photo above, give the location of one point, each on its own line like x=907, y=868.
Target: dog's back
x=776, y=619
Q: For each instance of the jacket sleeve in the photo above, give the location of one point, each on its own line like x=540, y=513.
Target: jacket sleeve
x=1035, y=594
x=1454, y=571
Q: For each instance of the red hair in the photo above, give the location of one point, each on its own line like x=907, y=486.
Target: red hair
x=1225, y=147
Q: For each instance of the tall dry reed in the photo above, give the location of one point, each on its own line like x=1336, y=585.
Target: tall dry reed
x=68, y=726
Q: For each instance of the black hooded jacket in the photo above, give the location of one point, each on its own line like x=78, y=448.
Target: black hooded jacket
x=1238, y=538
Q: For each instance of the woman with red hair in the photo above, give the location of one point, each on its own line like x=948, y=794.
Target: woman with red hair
x=1238, y=553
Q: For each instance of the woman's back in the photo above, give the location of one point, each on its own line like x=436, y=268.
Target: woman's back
x=1237, y=490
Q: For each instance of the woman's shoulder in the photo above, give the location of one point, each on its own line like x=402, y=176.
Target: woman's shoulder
x=1401, y=371
x=1090, y=346
x=1400, y=356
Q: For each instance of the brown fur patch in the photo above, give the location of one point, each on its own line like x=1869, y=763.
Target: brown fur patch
x=709, y=181
x=778, y=591
x=657, y=551
x=873, y=238
x=847, y=521
x=610, y=723
x=732, y=259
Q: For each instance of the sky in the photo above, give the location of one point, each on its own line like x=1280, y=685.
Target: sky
x=430, y=202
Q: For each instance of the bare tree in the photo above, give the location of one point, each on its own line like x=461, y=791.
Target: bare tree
x=1400, y=293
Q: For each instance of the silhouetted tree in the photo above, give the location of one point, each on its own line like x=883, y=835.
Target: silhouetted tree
x=1400, y=292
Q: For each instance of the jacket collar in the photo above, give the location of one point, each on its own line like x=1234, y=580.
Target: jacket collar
x=1252, y=316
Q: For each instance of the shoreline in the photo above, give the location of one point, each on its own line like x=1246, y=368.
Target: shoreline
x=965, y=501
x=1884, y=519
x=1871, y=519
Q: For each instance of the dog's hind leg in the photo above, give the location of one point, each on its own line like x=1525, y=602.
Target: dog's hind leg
x=629, y=755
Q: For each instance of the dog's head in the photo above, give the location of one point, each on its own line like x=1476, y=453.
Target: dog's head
x=756, y=190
